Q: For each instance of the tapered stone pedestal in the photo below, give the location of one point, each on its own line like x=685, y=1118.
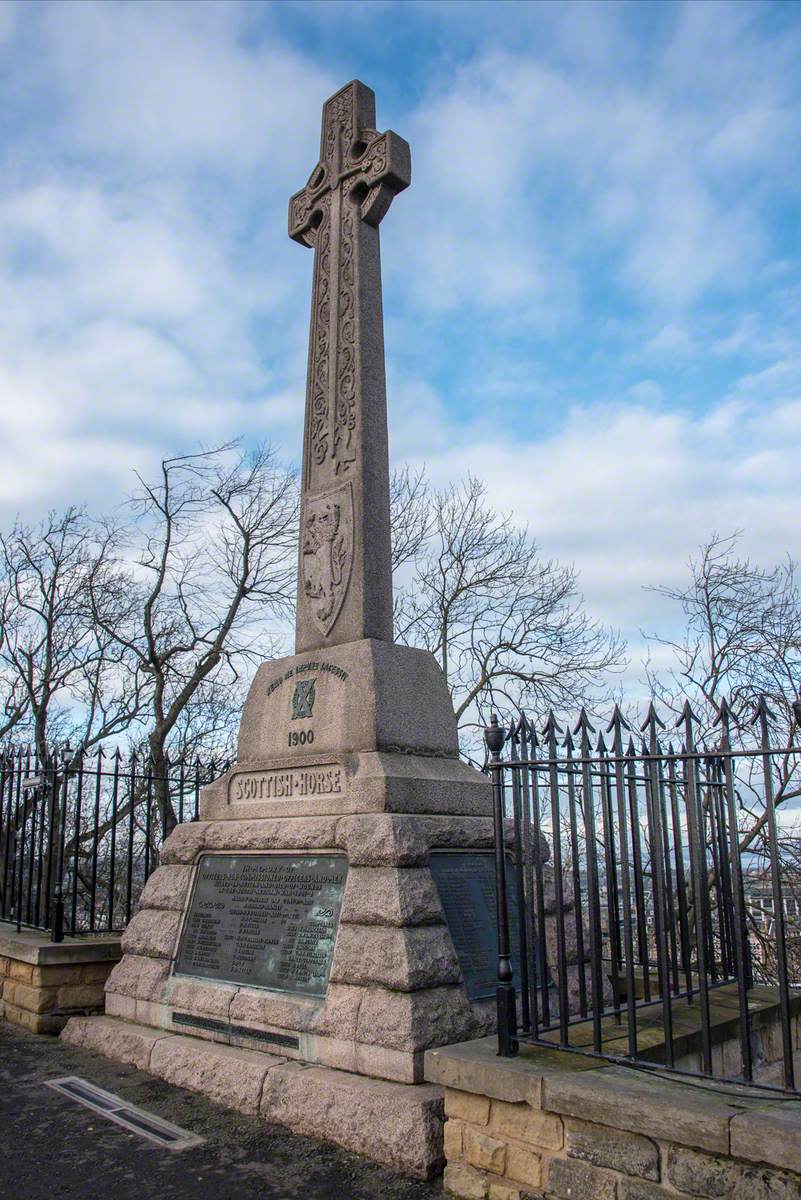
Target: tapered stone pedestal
x=379, y=783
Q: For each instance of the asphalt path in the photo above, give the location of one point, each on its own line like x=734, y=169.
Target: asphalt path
x=52, y=1148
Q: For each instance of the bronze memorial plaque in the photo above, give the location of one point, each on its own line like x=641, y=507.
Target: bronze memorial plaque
x=465, y=882
x=264, y=920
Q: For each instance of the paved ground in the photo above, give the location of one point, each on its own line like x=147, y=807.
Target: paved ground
x=52, y=1148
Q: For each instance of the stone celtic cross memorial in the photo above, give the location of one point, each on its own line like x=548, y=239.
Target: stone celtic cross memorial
x=291, y=954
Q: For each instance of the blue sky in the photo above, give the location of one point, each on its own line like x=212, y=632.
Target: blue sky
x=592, y=288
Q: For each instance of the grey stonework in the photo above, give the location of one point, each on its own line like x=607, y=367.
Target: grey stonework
x=344, y=555
x=604, y=1147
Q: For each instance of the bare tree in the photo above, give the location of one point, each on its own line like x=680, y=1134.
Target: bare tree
x=507, y=626
x=216, y=533
x=740, y=642
x=65, y=675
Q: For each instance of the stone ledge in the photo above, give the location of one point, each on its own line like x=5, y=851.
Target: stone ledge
x=395, y=1124
x=734, y=1120
x=34, y=947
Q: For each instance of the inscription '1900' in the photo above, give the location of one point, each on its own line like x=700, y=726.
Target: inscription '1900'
x=289, y=784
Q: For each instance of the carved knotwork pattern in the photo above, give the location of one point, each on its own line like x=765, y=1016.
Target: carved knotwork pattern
x=319, y=428
x=345, y=416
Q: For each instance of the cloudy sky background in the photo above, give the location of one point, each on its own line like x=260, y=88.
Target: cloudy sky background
x=592, y=289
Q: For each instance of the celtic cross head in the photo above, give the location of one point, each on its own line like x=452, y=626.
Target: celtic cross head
x=367, y=167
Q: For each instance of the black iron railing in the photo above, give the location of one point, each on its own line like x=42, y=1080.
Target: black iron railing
x=80, y=834
x=656, y=888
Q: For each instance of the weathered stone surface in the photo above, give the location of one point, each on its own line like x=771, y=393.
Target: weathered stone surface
x=340, y=1015
x=225, y=1074
x=250, y=1006
x=152, y=933
x=475, y=1067
x=484, y=1152
x=457, y=833
x=453, y=1141
x=656, y=1107
x=498, y=1190
x=524, y=1166
x=641, y=1189
x=203, y=999
x=414, y=1020
x=769, y=1135
x=184, y=843
x=404, y=959
x=605, y=1147
x=138, y=976
x=390, y=896
x=527, y=1124
x=389, y=1122
x=383, y=840
x=466, y=1106
x=572, y=1180
x=167, y=887
x=464, y=1181
x=701, y=1174
x=80, y=995
x=311, y=833
x=113, y=1038
x=767, y=1184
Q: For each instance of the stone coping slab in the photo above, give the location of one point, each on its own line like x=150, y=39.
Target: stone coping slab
x=34, y=946
x=731, y=1119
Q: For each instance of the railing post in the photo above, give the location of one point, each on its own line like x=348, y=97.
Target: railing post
x=505, y=992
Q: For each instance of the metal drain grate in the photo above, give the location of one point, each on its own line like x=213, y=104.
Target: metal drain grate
x=134, y=1119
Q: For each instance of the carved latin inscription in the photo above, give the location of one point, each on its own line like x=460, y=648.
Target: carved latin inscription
x=292, y=783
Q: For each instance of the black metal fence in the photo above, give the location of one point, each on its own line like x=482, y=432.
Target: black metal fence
x=79, y=835
x=643, y=873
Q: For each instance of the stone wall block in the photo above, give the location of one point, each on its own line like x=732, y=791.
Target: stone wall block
x=467, y=1106
x=80, y=995
x=401, y=959
x=605, y=1147
x=701, y=1174
x=527, y=1124
x=484, y=1152
x=22, y=972
x=524, y=1166
x=167, y=887
x=34, y=999
x=415, y=1020
x=391, y=896
x=138, y=976
x=184, y=843
x=453, y=1139
x=642, y=1189
x=464, y=1181
x=498, y=1190
x=570, y=1179
x=152, y=933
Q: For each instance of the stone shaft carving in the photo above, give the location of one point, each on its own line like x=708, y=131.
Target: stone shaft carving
x=344, y=567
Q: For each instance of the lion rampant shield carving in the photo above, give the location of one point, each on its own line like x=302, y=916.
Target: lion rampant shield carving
x=327, y=542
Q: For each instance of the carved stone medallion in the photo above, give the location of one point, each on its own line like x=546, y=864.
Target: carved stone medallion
x=327, y=553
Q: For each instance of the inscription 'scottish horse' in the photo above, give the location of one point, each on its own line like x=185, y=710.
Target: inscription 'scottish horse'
x=345, y=581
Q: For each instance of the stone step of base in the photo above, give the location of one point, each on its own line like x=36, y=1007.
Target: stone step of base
x=395, y=1124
